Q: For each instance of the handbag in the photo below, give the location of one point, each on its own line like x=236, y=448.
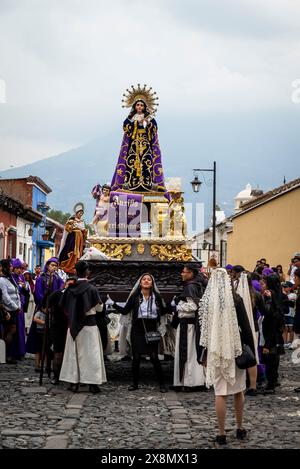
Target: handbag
x=246, y=359
x=151, y=337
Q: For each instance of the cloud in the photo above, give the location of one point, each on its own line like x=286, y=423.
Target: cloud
x=27, y=150
x=256, y=19
x=66, y=63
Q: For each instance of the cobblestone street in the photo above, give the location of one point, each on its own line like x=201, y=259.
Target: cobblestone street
x=52, y=417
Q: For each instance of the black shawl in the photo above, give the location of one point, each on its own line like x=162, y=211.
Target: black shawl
x=192, y=289
x=77, y=300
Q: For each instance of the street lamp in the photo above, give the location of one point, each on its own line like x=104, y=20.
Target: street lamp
x=196, y=183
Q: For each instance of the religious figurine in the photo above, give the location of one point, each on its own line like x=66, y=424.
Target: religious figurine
x=139, y=167
x=100, y=220
x=177, y=215
x=73, y=240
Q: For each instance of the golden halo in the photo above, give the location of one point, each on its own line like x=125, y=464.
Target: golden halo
x=144, y=94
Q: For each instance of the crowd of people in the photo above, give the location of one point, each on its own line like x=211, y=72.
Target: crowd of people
x=225, y=329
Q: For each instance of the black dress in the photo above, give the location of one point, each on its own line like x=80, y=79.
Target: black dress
x=58, y=322
x=297, y=316
x=138, y=341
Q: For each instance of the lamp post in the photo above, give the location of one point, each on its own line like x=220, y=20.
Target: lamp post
x=196, y=183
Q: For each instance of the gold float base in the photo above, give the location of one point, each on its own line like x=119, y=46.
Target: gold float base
x=139, y=249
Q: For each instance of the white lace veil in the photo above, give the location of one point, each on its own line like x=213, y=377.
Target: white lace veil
x=244, y=292
x=219, y=328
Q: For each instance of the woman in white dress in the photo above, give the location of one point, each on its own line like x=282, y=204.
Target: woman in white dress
x=224, y=327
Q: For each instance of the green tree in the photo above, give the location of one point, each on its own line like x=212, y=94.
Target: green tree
x=59, y=216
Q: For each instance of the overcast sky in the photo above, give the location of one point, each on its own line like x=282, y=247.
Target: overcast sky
x=64, y=65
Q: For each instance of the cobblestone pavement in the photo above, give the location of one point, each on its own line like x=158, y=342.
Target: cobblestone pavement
x=52, y=417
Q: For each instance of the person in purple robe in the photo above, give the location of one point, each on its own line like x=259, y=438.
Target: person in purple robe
x=18, y=345
x=139, y=167
x=48, y=282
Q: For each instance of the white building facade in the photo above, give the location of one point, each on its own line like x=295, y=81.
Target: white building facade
x=24, y=240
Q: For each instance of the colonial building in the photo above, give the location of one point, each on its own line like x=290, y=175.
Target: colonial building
x=30, y=192
x=203, y=242
x=16, y=222
x=267, y=226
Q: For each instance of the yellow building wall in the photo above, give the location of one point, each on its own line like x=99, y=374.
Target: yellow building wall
x=48, y=254
x=270, y=231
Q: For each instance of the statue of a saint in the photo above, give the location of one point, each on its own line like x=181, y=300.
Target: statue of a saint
x=100, y=220
x=73, y=240
x=139, y=167
x=177, y=216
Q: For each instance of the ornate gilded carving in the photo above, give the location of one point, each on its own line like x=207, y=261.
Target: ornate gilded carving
x=117, y=251
x=140, y=248
x=171, y=252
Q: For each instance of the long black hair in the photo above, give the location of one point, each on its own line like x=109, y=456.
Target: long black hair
x=139, y=297
x=6, y=264
x=274, y=285
x=251, y=289
x=133, y=110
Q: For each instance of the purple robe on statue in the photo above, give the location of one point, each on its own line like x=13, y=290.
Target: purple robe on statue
x=139, y=166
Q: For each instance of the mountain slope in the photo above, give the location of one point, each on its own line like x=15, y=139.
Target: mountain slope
x=256, y=148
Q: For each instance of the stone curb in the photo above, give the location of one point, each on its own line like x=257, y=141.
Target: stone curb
x=66, y=424
x=181, y=424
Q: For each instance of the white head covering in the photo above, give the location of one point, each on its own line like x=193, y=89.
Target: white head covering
x=126, y=320
x=78, y=207
x=219, y=328
x=244, y=292
x=137, y=285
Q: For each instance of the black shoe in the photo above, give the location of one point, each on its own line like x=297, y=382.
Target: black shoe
x=11, y=361
x=73, y=387
x=251, y=392
x=277, y=384
x=133, y=387
x=54, y=381
x=221, y=440
x=163, y=388
x=241, y=433
x=202, y=388
x=260, y=384
x=176, y=388
x=190, y=388
x=37, y=369
x=297, y=389
x=269, y=390
x=94, y=388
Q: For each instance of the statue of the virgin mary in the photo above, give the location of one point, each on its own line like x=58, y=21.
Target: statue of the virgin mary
x=139, y=167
